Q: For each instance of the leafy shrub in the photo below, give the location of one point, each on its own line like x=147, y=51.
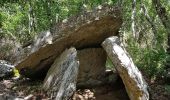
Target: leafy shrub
x=148, y=59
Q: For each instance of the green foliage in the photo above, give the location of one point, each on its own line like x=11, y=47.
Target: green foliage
x=13, y=21
x=109, y=64
x=22, y=20
x=167, y=88
x=149, y=51
x=150, y=60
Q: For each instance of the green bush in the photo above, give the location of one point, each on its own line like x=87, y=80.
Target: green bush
x=148, y=59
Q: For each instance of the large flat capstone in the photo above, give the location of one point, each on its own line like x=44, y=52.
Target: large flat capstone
x=88, y=29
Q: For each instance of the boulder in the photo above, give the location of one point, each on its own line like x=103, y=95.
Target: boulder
x=44, y=37
x=39, y=40
x=135, y=84
x=8, y=49
x=61, y=78
x=6, y=69
x=92, y=66
x=87, y=29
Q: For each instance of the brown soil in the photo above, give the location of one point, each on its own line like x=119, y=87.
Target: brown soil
x=31, y=90
x=106, y=92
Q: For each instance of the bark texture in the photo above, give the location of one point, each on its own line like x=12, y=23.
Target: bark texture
x=85, y=30
x=61, y=78
x=132, y=78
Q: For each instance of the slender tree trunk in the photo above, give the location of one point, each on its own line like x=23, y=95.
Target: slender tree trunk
x=49, y=13
x=31, y=17
x=56, y=17
x=163, y=15
x=148, y=18
x=133, y=18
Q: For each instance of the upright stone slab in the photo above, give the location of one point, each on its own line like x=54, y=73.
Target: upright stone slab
x=92, y=66
x=61, y=78
x=132, y=78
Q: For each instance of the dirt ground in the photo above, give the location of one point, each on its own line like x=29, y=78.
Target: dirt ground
x=31, y=90
x=25, y=89
x=114, y=91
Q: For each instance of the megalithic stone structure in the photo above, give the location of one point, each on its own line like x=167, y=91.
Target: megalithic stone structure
x=86, y=30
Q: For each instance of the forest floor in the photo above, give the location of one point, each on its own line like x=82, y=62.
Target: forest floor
x=25, y=89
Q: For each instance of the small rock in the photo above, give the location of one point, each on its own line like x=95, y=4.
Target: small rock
x=6, y=69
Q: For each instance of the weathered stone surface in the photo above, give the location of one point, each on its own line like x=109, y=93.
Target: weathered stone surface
x=8, y=49
x=6, y=69
x=43, y=38
x=132, y=78
x=62, y=76
x=92, y=66
x=31, y=46
x=88, y=29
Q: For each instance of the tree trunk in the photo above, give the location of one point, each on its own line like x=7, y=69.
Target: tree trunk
x=148, y=18
x=61, y=78
x=133, y=17
x=31, y=17
x=134, y=83
x=47, y=6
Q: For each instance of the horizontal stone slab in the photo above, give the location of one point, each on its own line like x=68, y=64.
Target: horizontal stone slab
x=87, y=29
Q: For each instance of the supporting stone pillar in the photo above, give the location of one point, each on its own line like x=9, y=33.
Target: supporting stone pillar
x=132, y=78
x=92, y=66
x=61, y=78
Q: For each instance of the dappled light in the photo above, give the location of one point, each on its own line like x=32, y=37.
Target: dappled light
x=84, y=50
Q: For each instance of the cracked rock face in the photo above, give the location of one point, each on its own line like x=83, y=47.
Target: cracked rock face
x=6, y=69
x=62, y=75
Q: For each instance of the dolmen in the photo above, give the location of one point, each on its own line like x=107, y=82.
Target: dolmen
x=74, y=53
